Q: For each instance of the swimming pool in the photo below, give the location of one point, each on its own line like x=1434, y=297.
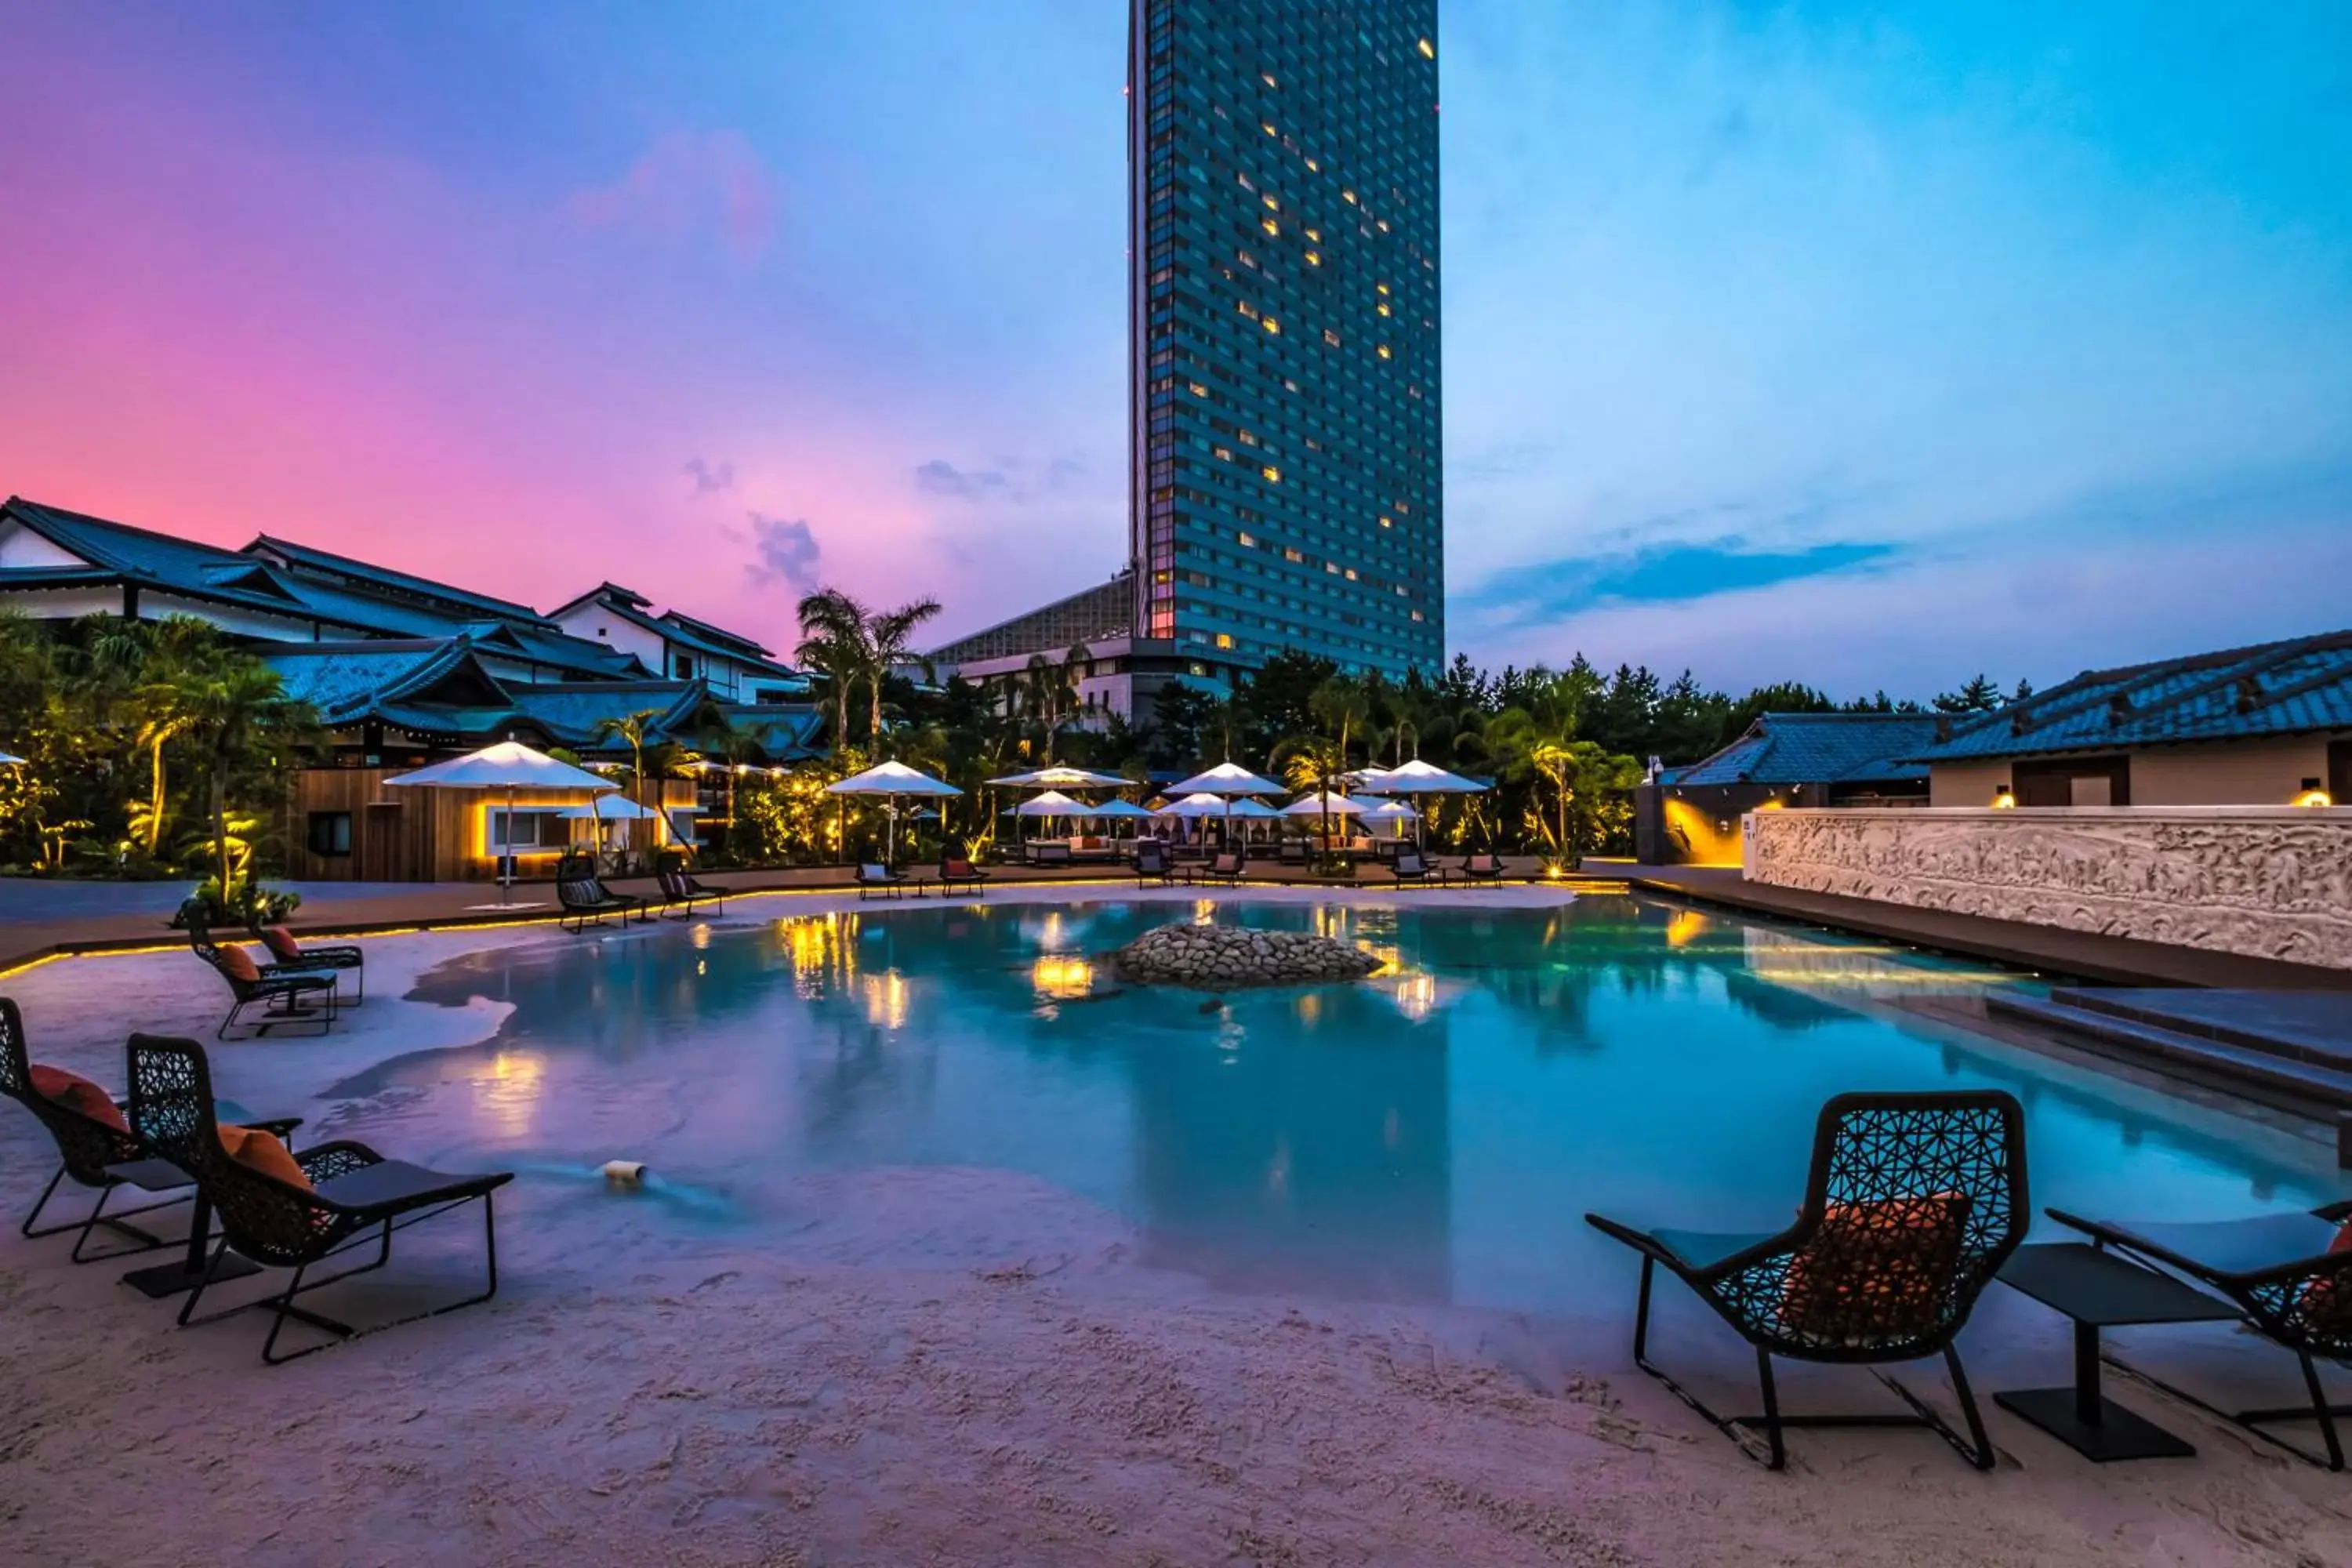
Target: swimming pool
x=1431, y=1136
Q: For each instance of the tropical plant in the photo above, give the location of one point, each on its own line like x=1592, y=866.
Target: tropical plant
x=889, y=642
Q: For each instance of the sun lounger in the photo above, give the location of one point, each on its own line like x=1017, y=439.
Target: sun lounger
x=585, y=901
x=681, y=890
x=2290, y=1275
x=873, y=877
x=294, y=1211
x=1152, y=865
x=95, y=1146
x=338, y=959
x=1483, y=868
x=1226, y=868
x=1914, y=1203
x=956, y=871
x=1411, y=868
x=285, y=996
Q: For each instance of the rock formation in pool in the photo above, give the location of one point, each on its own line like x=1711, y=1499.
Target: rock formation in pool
x=1220, y=958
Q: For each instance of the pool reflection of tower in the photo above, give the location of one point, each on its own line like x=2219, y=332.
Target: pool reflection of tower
x=1313, y=1154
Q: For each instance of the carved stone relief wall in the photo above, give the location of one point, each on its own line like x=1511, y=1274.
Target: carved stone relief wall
x=2270, y=882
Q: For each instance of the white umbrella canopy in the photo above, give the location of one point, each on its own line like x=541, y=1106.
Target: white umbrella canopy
x=892, y=779
x=1253, y=811
x=1226, y=779
x=509, y=765
x=1317, y=805
x=1417, y=777
x=1053, y=802
x=10, y=760
x=622, y=810
x=1118, y=809
x=1393, y=811
x=1201, y=804
x=1062, y=778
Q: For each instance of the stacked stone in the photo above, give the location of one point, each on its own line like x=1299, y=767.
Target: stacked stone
x=1220, y=958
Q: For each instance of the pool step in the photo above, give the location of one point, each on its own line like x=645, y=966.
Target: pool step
x=2303, y=1027
x=2258, y=1071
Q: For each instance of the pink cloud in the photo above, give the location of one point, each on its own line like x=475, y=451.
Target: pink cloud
x=687, y=185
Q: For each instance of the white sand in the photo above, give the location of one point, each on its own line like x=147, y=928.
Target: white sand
x=954, y=1366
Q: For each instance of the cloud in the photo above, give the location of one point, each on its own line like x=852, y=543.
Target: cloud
x=941, y=477
x=1662, y=573
x=784, y=552
x=689, y=185
x=709, y=479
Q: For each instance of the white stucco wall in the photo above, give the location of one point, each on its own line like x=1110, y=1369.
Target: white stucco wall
x=2239, y=773
x=2269, y=881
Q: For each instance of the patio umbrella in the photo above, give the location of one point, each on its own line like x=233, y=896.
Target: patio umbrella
x=10, y=760
x=1395, y=811
x=1062, y=778
x=1053, y=802
x=510, y=765
x=1417, y=778
x=1227, y=780
x=892, y=780
x=1201, y=804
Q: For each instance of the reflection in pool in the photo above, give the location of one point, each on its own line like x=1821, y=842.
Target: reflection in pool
x=1434, y=1134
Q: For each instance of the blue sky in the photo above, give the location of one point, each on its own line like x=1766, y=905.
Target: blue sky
x=1868, y=347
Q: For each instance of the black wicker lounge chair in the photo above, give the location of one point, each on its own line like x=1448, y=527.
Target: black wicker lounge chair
x=339, y=959
x=681, y=890
x=1408, y=867
x=286, y=996
x=873, y=877
x=96, y=1147
x=356, y=1198
x=1914, y=1203
x=1152, y=865
x=958, y=872
x=1225, y=869
x=2291, y=1275
x=1483, y=868
x=1292, y=852
x=585, y=901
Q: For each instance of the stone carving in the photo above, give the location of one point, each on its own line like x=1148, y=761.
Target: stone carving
x=1219, y=958
x=2270, y=882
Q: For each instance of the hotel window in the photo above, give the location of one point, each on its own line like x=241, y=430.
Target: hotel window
x=329, y=834
x=542, y=830
x=1224, y=639
x=1272, y=474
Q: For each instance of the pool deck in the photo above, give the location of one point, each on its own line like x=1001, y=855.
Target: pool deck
x=2015, y=944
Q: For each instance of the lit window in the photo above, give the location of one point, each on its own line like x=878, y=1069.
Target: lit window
x=1271, y=325
x=1384, y=350
x=1270, y=226
x=1272, y=474
x=1386, y=522
x=1384, y=309
x=1331, y=337
x=1196, y=389
x=1246, y=541
x=1332, y=567
x=1384, y=225
x=1350, y=573
x=1416, y=614
x=1222, y=454
x=1313, y=167
x=1248, y=439
x=1269, y=129
x=1348, y=196
x=1382, y=286
x=1292, y=555
x=1263, y=77
x=1271, y=202
x=1428, y=50
x=1314, y=258
x=1316, y=234
x=1224, y=639
x=1246, y=309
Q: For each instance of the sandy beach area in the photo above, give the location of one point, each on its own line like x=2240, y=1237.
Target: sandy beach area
x=953, y=1365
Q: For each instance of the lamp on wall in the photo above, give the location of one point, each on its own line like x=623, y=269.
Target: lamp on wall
x=2313, y=794
x=2003, y=798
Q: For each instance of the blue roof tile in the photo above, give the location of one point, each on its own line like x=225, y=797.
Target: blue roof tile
x=1816, y=748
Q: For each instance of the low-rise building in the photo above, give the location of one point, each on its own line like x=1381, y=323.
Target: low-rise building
x=1691, y=816
x=2267, y=725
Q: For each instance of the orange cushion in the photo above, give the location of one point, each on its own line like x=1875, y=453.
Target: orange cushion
x=1875, y=1269
x=280, y=940
x=76, y=1093
x=238, y=963
x=260, y=1151
x=2326, y=1302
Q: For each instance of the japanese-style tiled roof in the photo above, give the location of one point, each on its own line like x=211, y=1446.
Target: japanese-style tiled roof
x=709, y=641
x=1816, y=748
x=2294, y=687
x=784, y=734
x=743, y=647
x=574, y=712
x=451, y=600
x=117, y=553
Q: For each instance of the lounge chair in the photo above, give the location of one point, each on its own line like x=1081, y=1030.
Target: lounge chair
x=2291, y=1275
x=1914, y=1203
x=1226, y=868
x=95, y=1146
x=586, y=901
x=1293, y=852
x=333, y=1198
x=958, y=872
x=1483, y=868
x=680, y=889
x=1410, y=867
x=286, y=996
x=1049, y=855
x=338, y=959
x=873, y=877
x=1152, y=865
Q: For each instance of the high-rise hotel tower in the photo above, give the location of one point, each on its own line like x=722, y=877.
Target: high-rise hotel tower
x=1284, y=297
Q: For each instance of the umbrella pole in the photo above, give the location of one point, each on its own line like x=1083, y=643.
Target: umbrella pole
x=506, y=881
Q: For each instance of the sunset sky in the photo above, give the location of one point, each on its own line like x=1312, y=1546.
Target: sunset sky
x=1863, y=348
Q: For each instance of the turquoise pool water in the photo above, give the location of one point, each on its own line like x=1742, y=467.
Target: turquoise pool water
x=1433, y=1135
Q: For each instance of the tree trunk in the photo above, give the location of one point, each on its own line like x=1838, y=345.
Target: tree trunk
x=156, y=803
x=220, y=835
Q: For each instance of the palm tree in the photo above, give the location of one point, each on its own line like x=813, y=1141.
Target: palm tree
x=637, y=729
x=886, y=638
x=1047, y=687
x=232, y=706
x=834, y=644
